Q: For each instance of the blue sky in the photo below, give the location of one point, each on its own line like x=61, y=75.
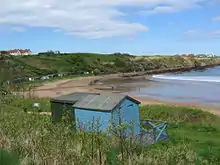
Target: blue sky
x=107, y=26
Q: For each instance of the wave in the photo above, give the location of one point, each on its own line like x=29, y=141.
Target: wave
x=189, y=78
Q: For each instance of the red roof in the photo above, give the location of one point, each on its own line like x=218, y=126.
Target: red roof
x=19, y=51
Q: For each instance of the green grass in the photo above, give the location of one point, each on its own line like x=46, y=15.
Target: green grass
x=7, y=158
x=193, y=138
x=28, y=104
x=191, y=127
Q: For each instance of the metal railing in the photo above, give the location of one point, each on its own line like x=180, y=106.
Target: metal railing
x=153, y=131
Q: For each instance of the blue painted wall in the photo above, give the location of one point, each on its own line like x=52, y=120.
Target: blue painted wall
x=129, y=113
x=85, y=118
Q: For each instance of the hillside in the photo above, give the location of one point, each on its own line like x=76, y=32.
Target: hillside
x=36, y=65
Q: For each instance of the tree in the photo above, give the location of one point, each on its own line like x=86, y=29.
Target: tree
x=3, y=54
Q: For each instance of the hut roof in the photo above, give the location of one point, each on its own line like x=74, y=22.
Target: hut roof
x=72, y=98
x=93, y=101
x=102, y=102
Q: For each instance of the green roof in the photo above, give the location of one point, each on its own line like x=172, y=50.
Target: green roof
x=72, y=98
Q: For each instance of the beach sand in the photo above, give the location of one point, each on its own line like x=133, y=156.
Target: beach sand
x=83, y=84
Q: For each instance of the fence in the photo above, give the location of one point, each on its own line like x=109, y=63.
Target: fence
x=153, y=131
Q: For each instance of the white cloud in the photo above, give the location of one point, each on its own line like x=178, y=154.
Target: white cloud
x=202, y=35
x=216, y=18
x=171, y=6
x=85, y=18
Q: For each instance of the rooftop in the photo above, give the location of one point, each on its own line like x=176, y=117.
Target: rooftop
x=72, y=98
x=94, y=101
x=19, y=51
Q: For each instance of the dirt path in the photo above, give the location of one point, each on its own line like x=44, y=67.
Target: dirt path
x=82, y=84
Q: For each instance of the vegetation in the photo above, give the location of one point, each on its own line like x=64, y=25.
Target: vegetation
x=38, y=65
x=32, y=138
x=7, y=158
x=193, y=138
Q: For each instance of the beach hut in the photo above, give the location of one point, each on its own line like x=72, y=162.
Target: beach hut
x=107, y=110
x=96, y=108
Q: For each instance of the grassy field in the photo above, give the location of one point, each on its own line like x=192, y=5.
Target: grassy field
x=38, y=65
x=32, y=139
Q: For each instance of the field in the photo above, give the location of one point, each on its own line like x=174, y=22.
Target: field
x=33, y=139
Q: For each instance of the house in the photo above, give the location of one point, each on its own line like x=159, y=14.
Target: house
x=206, y=55
x=14, y=52
x=25, y=52
x=104, y=109
x=19, y=52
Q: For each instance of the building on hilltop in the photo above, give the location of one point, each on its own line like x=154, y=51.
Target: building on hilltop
x=206, y=55
x=19, y=52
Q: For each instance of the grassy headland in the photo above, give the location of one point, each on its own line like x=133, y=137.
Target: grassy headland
x=193, y=139
x=38, y=65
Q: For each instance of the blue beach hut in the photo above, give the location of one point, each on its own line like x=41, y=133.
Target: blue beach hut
x=106, y=110
x=103, y=109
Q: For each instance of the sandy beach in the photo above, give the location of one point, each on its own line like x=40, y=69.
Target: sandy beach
x=84, y=84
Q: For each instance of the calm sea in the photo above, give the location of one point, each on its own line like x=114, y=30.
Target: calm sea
x=196, y=86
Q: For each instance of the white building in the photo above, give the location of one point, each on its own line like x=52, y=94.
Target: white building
x=19, y=52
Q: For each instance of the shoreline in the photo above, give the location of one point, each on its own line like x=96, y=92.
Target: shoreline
x=149, y=73
x=86, y=84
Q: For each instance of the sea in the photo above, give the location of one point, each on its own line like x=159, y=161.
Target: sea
x=199, y=86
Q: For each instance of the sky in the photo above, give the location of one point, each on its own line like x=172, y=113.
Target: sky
x=140, y=27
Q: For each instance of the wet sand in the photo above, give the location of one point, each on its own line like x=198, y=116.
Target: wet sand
x=83, y=84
